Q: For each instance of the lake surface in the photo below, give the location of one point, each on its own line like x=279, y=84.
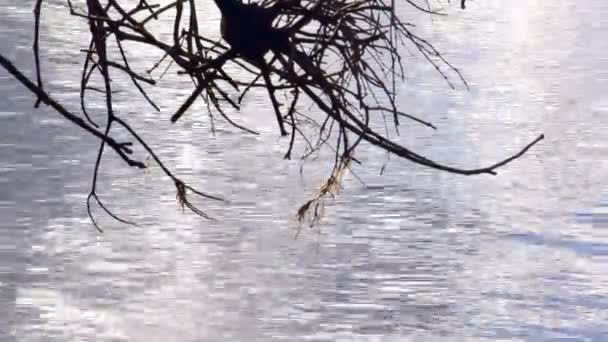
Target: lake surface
x=413, y=254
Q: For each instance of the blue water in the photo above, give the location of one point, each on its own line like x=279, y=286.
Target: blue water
x=413, y=254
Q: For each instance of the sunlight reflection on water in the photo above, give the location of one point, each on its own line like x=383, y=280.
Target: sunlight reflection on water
x=417, y=255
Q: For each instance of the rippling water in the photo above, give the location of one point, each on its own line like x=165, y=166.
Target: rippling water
x=412, y=255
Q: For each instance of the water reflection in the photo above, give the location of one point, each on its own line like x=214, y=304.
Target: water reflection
x=415, y=255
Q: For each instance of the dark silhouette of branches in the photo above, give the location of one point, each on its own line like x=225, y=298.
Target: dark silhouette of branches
x=342, y=56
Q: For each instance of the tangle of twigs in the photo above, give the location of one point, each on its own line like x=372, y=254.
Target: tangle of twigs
x=343, y=56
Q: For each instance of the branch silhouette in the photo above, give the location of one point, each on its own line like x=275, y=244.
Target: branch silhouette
x=342, y=56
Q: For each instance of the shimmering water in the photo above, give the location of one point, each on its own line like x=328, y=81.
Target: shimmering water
x=412, y=255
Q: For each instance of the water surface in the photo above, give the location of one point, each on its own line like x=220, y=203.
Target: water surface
x=414, y=255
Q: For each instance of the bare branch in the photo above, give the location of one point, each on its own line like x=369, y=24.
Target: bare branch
x=341, y=57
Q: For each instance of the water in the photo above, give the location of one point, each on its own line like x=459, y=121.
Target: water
x=414, y=255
